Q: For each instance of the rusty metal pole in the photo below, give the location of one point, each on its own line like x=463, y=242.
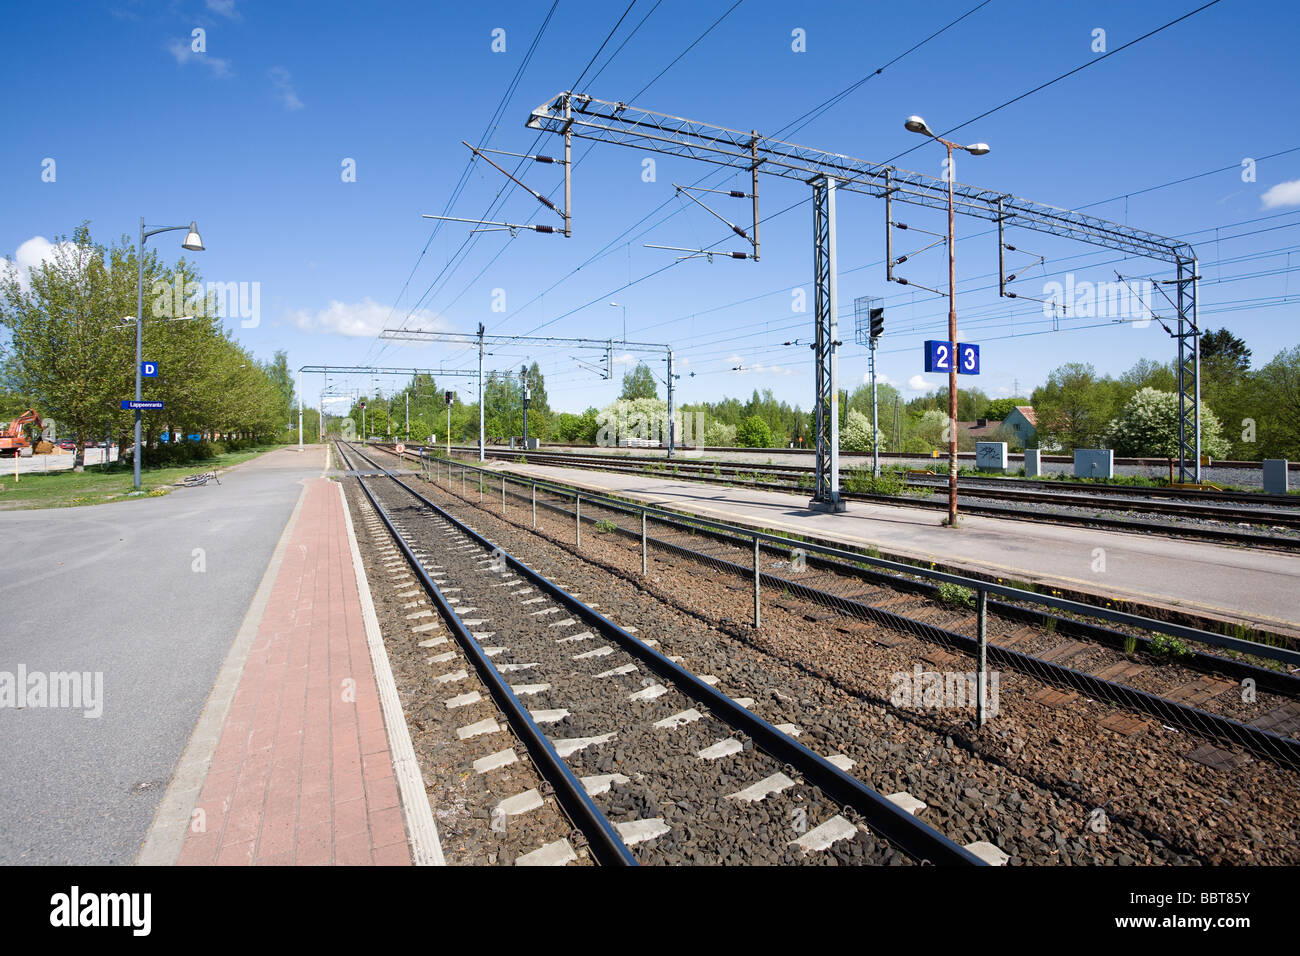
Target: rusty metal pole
x=981, y=672
x=643, y=545
x=577, y=520
x=952, y=344
x=758, y=575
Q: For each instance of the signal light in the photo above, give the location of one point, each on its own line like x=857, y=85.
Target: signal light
x=877, y=322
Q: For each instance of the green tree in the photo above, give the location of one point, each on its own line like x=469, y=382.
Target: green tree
x=1073, y=407
x=639, y=382
x=68, y=348
x=1276, y=407
x=754, y=433
x=999, y=408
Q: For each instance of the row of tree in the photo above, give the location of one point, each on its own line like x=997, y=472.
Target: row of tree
x=1245, y=413
x=70, y=351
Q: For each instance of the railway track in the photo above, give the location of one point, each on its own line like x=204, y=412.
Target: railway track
x=619, y=730
x=901, y=611
x=1032, y=642
x=987, y=497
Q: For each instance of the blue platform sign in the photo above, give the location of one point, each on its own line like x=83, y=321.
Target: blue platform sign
x=149, y=369
x=130, y=404
x=938, y=357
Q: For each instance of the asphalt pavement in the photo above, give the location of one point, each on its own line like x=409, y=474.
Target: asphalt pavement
x=148, y=594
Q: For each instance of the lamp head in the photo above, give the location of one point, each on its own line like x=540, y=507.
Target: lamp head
x=978, y=149
x=192, y=240
x=915, y=124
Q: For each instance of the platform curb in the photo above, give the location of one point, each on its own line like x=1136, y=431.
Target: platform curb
x=422, y=832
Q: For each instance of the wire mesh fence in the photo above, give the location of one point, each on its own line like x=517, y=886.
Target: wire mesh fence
x=982, y=642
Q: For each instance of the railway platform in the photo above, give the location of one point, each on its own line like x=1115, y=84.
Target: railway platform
x=1235, y=584
x=301, y=755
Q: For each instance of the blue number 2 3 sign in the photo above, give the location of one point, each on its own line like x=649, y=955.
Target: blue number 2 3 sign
x=938, y=357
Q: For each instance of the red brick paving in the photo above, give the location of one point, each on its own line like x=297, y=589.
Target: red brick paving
x=302, y=773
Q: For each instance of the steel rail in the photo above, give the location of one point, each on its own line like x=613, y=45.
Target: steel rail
x=1201, y=723
x=1163, y=491
x=1066, y=605
x=913, y=836
x=1228, y=536
x=1192, y=502
x=605, y=843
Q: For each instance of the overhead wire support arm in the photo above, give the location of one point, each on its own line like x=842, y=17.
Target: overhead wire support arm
x=518, y=182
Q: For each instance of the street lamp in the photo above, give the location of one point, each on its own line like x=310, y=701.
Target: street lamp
x=194, y=244
x=915, y=124
x=618, y=305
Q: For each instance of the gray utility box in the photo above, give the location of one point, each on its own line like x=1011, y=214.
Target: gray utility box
x=991, y=455
x=1094, y=463
x=1275, y=476
x=531, y=445
x=1033, y=462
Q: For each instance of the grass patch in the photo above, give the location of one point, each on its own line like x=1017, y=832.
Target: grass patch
x=956, y=595
x=94, y=486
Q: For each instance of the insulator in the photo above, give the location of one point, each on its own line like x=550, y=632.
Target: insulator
x=900, y=261
x=901, y=225
x=901, y=281
x=540, y=228
x=1011, y=248
x=740, y=232
x=739, y=255
x=737, y=194
x=545, y=159
x=1012, y=277
x=1012, y=295
x=546, y=202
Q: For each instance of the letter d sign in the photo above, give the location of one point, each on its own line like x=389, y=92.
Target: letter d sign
x=149, y=369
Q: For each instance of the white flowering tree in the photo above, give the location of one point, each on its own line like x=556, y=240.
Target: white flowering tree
x=1147, y=427
x=857, y=434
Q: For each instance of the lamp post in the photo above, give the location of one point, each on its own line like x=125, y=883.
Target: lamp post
x=917, y=125
x=619, y=305
x=193, y=243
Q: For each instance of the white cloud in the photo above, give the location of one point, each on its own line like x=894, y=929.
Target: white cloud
x=180, y=49
x=337, y=400
x=625, y=359
x=280, y=79
x=364, y=319
x=1283, y=194
x=1003, y=390
x=224, y=7
x=29, y=256
x=918, y=383
x=881, y=378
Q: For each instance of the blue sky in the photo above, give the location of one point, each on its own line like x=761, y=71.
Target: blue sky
x=250, y=137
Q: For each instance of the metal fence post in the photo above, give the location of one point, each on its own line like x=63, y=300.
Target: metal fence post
x=534, y=504
x=981, y=671
x=462, y=480
x=643, y=546
x=758, y=574
x=503, y=496
x=577, y=520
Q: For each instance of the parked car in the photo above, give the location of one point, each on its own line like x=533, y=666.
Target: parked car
x=68, y=445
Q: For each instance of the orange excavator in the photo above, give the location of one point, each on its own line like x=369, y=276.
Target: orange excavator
x=12, y=438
